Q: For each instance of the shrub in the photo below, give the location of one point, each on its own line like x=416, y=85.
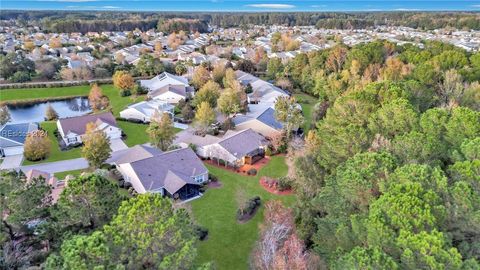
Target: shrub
x=125, y=92
x=213, y=178
x=284, y=183
x=249, y=208
x=201, y=232
x=252, y=171
x=268, y=151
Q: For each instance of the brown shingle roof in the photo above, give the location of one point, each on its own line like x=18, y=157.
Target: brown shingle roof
x=78, y=124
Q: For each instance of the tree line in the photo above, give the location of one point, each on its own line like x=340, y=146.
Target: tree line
x=71, y=21
x=388, y=177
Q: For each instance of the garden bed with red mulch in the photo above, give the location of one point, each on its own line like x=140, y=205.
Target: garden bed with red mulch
x=271, y=185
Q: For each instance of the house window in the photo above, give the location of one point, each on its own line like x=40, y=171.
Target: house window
x=72, y=140
x=198, y=178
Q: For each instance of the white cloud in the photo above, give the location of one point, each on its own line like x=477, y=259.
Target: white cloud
x=271, y=6
x=110, y=7
x=475, y=6
x=318, y=6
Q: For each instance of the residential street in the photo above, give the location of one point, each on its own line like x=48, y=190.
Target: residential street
x=58, y=166
x=66, y=165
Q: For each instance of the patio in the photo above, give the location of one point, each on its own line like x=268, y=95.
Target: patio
x=243, y=170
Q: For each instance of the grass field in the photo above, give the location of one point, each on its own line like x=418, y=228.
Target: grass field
x=307, y=102
x=230, y=243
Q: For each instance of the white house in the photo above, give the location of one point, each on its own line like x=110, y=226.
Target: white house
x=168, y=87
x=162, y=80
x=12, y=138
x=72, y=129
x=172, y=93
x=144, y=110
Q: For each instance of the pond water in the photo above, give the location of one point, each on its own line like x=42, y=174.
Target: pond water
x=36, y=112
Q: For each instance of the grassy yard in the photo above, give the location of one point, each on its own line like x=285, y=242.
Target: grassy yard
x=307, y=102
x=230, y=243
x=55, y=153
x=62, y=175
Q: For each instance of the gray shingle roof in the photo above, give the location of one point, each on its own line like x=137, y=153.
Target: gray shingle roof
x=243, y=142
x=15, y=134
x=138, y=152
x=268, y=118
x=170, y=170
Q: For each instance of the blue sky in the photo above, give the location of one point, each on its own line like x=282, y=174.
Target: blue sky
x=242, y=5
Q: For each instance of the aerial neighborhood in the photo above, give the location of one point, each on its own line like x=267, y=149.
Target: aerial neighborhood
x=144, y=140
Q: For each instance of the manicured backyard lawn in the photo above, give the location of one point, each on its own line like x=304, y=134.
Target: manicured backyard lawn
x=307, y=102
x=230, y=243
x=55, y=153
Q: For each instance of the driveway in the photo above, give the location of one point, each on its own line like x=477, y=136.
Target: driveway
x=11, y=162
x=117, y=145
x=58, y=166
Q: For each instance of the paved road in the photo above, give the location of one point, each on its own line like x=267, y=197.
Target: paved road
x=66, y=165
x=58, y=166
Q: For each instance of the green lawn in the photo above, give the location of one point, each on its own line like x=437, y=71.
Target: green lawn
x=34, y=93
x=230, y=243
x=62, y=175
x=55, y=153
x=307, y=102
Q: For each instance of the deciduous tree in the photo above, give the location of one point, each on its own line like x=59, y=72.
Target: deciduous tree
x=161, y=131
x=96, y=146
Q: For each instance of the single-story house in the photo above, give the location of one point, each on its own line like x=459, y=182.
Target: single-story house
x=144, y=110
x=172, y=93
x=176, y=174
x=168, y=87
x=73, y=128
x=262, y=91
x=12, y=137
x=238, y=147
x=162, y=80
x=260, y=118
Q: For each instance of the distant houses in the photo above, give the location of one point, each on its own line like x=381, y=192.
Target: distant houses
x=73, y=128
x=12, y=137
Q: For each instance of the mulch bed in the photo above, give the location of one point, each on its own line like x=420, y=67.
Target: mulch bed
x=216, y=184
x=246, y=218
x=272, y=190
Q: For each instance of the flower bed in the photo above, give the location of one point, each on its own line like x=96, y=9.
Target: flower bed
x=273, y=186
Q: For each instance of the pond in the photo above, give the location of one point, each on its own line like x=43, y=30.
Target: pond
x=36, y=112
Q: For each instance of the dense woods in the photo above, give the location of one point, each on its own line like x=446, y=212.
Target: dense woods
x=389, y=177
x=68, y=21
